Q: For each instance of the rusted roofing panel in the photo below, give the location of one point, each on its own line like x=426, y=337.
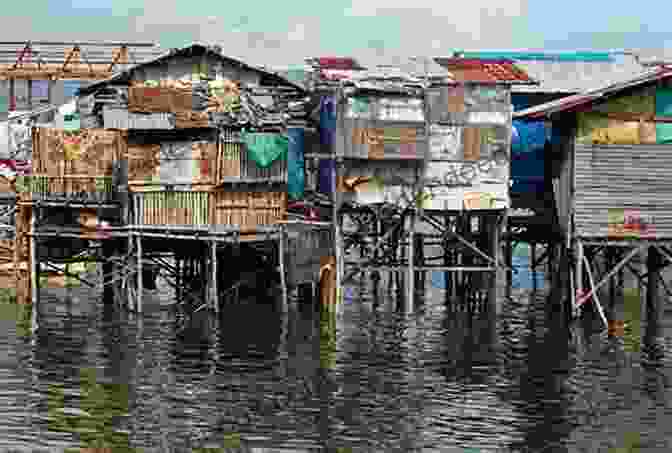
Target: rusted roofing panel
x=485, y=71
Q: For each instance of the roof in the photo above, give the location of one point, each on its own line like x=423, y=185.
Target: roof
x=40, y=58
x=193, y=49
x=568, y=72
x=485, y=70
x=571, y=103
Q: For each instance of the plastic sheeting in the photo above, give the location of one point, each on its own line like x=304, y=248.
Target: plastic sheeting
x=327, y=120
x=266, y=148
x=527, y=152
x=295, y=163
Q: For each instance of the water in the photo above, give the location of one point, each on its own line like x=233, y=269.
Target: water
x=375, y=381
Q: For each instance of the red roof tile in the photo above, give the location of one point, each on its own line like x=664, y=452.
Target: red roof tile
x=484, y=71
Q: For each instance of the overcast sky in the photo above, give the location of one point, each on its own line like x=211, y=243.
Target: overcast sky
x=284, y=32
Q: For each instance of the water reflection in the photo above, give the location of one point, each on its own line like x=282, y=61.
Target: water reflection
x=370, y=379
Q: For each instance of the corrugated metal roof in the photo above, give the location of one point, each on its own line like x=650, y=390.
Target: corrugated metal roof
x=485, y=71
x=571, y=102
x=196, y=48
x=568, y=72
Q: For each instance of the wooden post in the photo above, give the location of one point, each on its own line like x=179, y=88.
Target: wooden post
x=533, y=264
x=508, y=253
x=578, y=275
x=34, y=260
x=338, y=240
x=653, y=302
x=12, y=95
x=50, y=91
x=283, y=275
x=29, y=87
x=496, y=250
x=139, y=270
x=411, y=264
x=108, y=270
x=214, y=288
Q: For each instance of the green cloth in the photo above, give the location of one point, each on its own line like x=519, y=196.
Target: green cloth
x=361, y=105
x=266, y=148
x=71, y=122
x=663, y=108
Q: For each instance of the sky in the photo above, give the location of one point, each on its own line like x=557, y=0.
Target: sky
x=285, y=32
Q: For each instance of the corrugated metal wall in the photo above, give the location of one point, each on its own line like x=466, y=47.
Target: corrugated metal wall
x=629, y=177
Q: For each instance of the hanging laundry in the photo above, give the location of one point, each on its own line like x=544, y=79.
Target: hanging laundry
x=266, y=148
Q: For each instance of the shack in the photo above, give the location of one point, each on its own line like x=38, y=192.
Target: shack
x=557, y=75
x=191, y=146
x=610, y=182
x=421, y=161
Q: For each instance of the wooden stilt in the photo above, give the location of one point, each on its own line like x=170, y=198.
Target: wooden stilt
x=533, y=265
x=578, y=274
x=410, y=294
x=283, y=274
x=653, y=301
x=108, y=272
x=213, y=277
x=138, y=304
x=34, y=271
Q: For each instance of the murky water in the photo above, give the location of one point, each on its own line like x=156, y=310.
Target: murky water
x=373, y=381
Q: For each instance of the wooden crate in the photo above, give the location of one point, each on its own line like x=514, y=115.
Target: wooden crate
x=172, y=208
x=247, y=210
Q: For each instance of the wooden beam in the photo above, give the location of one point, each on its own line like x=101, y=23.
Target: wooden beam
x=69, y=56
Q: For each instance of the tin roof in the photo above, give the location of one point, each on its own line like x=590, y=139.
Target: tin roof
x=568, y=72
x=485, y=71
x=193, y=49
x=570, y=103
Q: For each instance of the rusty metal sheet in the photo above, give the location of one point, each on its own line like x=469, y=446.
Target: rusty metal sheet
x=470, y=104
x=366, y=139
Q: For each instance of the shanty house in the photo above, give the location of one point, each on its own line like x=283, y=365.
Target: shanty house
x=558, y=75
x=610, y=163
x=197, y=122
x=471, y=132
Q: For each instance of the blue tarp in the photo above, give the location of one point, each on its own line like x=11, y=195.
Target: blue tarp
x=527, y=156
